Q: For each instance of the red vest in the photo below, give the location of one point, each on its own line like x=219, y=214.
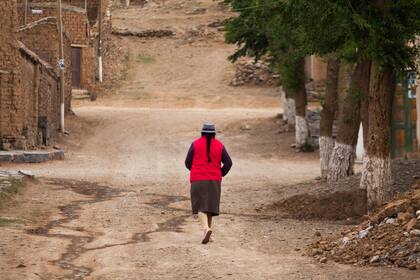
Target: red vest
x=202, y=169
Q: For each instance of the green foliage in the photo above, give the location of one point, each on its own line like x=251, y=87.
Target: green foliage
x=145, y=59
x=306, y=148
x=7, y=221
x=288, y=30
x=268, y=27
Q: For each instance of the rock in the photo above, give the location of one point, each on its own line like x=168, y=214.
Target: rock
x=364, y=233
x=415, y=232
x=27, y=173
x=345, y=240
x=197, y=11
x=416, y=248
x=404, y=218
x=317, y=233
x=374, y=259
x=323, y=260
x=412, y=224
x=412, y=266
x=245, y=127
x=253, y=73
x=391, y=221
x=159, y=33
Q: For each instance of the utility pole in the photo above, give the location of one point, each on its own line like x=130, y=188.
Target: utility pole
x=61, y=65
x=101, y=74
x=127, y=3
x=26, y=12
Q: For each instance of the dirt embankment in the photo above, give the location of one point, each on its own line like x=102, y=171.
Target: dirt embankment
x=344, y=199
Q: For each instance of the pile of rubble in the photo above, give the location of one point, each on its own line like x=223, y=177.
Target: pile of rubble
x=389, y=237
x=200, y=31
x=251, y=72
x=152, y=33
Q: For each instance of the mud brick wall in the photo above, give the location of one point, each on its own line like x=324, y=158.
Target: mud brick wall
x=22, y=76
x=92, y=6
x=10, y=106
x=30, y=83
x=42, y=37
x=10, y=87
x=41, y=100
x=75, y=22
x=89, y=68
x=9, y=55
x=77, y=25
x=49, y=103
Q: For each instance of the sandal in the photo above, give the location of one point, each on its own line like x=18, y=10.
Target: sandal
x=207, y=235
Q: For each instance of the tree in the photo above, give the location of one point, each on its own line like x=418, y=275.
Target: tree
x=343, y=155
x=325, y=26
x=269, y=27
x=393, y=27
x=378, y=35
x=328, y=113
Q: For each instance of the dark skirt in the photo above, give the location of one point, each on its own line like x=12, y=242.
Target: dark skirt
x=205, y=197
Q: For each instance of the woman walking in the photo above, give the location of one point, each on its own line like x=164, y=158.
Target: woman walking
x=204, y=160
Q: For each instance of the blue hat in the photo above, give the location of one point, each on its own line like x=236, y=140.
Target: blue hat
x=208, y=128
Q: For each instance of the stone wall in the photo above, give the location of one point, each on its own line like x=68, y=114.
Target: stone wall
x=34, y=36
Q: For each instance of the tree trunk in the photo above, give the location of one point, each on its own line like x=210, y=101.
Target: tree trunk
x=344, y=152
x=329, y=109
x=301, y=125
x=288, y=107
x=376, y=174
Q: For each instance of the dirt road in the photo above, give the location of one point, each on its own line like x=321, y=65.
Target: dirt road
x=118, y=206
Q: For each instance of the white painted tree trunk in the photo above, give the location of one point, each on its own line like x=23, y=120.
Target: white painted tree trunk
x=377, y=180
x=326, y=146
x=341, y=162
x=291, y=117
x=302, y=131
x=284, y=104
x=289, y=111
x=360, y=148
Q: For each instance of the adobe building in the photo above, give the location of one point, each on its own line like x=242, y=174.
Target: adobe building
x=91, y=7
x=82, y=62
x=29, y=90
x=315, y=69
x=48, y=50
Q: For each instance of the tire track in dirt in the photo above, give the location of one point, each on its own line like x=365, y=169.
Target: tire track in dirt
x=70, y=211
x=98, y=193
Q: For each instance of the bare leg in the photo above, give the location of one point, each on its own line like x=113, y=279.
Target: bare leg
x=209, y=219
x=202, y=217
x=204, y=220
